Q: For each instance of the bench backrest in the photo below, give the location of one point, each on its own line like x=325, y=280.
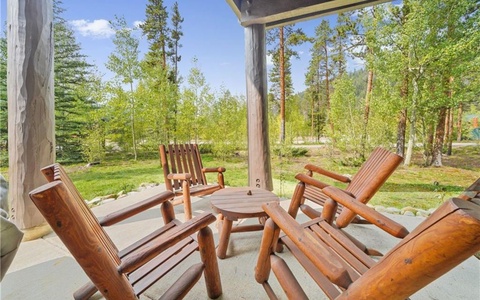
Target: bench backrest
x=369, y=178
x=74, y=223
x=181, y=158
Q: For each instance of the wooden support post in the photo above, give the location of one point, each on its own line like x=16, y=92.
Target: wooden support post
x=259, y=168
x=31, y=136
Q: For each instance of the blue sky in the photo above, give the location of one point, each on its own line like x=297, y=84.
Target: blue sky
x=211, y=33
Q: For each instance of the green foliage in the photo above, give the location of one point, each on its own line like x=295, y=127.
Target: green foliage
x=194, y=109
x=155, y=28
x=289, y=151
x=174, y=41
x=125, y=64
x=71, y=106
x=347, y=112
x=227, y=130
x=93, y=144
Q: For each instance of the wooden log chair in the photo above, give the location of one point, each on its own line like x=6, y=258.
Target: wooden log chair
x=128, y=273
x=363, y=186
x=473, y=191
x=445, y=239
x=184, y=174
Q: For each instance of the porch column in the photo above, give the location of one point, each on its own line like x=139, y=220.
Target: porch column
x=259, y=169
x=31, y=138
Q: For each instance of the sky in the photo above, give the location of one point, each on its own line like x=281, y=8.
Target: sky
x=211, y=34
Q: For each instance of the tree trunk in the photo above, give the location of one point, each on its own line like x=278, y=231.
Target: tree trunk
x=459, y=122
x=366, y=112
x=132, y=119
x=411, y=139
x=439, y=134
x=31, y=118
x=428, y=145
x=282, y=86
x=402, y=118
x=327, y=94
x=449, y=135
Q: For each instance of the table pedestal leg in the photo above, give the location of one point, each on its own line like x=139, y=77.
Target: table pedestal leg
x=224, y=238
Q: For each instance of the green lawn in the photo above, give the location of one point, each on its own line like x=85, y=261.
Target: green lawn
x=417, y=186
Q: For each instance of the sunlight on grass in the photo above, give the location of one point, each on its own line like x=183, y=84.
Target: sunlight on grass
x=417, y=186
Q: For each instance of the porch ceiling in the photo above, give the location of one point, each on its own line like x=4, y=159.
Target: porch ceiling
x=274, y=13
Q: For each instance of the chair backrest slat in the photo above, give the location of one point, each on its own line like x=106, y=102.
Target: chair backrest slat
x=59, y=174
x=182, y=158
x=368, y=180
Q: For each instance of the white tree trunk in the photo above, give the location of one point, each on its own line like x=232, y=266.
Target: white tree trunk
x=411, y=139
x=31, y=138
x=259, y=168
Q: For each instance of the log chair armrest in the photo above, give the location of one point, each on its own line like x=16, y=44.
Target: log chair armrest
x=213, y=170
x=371, y=215
x=136, y=208
x=327, y=173
x=314, y=182
x=170, y=238
x=320, y=256
x=179, y=176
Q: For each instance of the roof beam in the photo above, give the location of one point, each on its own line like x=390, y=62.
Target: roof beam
x=282, y=12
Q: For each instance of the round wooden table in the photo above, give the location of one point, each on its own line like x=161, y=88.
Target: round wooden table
x=238, y=203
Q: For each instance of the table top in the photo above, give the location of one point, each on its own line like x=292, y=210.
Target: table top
x=241, y=202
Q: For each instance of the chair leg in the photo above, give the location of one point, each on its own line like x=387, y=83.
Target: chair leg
x=287, y=280
x=206, y=247
x=187, y=202
x=263, y=267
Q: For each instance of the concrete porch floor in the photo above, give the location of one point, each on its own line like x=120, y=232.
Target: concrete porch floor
x=44, y=269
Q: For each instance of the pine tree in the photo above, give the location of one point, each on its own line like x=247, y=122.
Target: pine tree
x=174, y=41
x=156, y=30
x=70, y=69
x=280, y=75
x=320, y=69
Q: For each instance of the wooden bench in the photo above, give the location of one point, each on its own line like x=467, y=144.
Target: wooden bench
x=128, y=273
x=363, y=186
x=445, y=239
x=184, y=174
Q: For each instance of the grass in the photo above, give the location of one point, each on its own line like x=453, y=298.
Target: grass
x=416, y=186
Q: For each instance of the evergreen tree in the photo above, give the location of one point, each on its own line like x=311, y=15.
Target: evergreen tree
x=280, y=75
x=174, y=41
x=156, y=30
x=319, y=75
x=70, y=69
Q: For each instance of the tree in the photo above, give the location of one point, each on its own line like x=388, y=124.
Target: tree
x=94, y=141
x=125, y=64
x=155, y=28
x=228, y=130
x=319, y=71
x=174, y=41
x=71, y=107
x=280, y=74
x=195, y=106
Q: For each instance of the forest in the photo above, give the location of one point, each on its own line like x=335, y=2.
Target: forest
x=418, y=92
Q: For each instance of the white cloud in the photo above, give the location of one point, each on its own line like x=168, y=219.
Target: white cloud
x=269, y=60
x=137, y=24
x=97, y=28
